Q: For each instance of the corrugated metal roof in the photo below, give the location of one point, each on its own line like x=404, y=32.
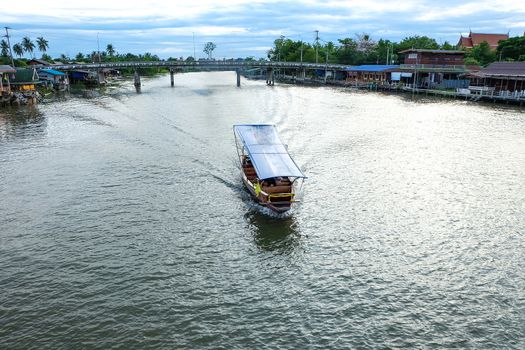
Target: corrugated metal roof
x=516, y=69
x=23, y=75
x=7, y=69
x=52, y=72
x=371, y=68
x=37, y=61
x=433, y=51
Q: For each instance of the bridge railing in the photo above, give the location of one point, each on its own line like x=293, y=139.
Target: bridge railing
x=200, y=64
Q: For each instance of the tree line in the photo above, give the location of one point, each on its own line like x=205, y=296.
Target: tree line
x=362, y=49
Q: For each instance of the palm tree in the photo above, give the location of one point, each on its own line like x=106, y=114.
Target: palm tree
x=28, y=45
x=18, y=50
x=4, y=48
x=64, y=58
x=110, y=49
x=79, y=57
x=42, y=43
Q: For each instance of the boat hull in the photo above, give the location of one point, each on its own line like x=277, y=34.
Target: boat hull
x=279, y=207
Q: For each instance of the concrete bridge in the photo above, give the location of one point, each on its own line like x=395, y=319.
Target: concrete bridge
x=222, y=65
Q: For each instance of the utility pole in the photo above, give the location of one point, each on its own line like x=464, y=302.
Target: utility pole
x=326, y=66
x=194, y=58
x=316, y=45
x=9, y=43
x=98, y=48
x=300, y=38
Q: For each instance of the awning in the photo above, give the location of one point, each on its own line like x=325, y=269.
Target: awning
x=267, y=153
x=52, y=72
x=7, y=69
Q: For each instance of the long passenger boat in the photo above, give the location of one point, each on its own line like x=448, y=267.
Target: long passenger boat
x=267, y=170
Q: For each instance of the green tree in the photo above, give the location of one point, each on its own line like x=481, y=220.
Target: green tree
x=346, y=52
x=47, y=58
x=18, y=50
x=384, y=52
x=286, y=50
x=511, y=48
x=482, y=53
x=417, y=42
x=110, y=50
x=64, y=58
x=471, y=61
x=208, y=49
x=80, y=57
x=447, y=46
x=42, y=44
x=4, y=48
x=28, y=45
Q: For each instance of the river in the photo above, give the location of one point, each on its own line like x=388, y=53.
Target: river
x=125, y=224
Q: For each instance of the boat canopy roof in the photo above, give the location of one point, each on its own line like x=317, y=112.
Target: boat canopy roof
x=267, y=153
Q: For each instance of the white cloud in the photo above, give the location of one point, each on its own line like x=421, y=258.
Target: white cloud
x=488, y=7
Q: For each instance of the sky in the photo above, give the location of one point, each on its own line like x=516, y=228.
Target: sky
x=242, y=28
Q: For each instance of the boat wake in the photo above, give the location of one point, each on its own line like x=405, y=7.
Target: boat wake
x=231, y=185
x=268, y=212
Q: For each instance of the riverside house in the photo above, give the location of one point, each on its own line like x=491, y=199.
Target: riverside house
x=5, y=84
x=504, y=79
x=372, y=73
x=25, y=79
x=35, y=62
x=53, y=78
x=435, y=69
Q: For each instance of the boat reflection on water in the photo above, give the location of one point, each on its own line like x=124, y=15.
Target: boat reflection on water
x=274, y=234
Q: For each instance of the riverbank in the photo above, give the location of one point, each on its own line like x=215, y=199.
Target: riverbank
x=463, y=94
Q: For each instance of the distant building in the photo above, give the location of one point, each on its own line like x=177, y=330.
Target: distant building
x=37, y=62
x=53, y=78
x=372, y=73
x=503, y=76
x=435, y=68
x=25, y=79
x=86, y=77
x=474, y=39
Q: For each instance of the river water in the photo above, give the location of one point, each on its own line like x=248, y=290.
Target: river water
x=125, y=224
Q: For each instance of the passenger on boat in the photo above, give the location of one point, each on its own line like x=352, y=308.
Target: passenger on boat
x=257, y=188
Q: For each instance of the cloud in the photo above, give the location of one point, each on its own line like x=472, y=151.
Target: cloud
x=247, y=27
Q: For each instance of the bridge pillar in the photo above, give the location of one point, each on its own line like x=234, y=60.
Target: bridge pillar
x=238, y=78
x=136, y=78
x=172, y=73
x=269, y=77
x=100, y=77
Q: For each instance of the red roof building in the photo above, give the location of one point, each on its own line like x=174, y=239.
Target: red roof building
x=474, y=39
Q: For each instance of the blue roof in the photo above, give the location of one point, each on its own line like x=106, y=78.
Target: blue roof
x=371, y=68
x=268, y=154
x=52, y=72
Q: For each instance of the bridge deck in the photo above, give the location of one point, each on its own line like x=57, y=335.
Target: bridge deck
x=224, y=65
